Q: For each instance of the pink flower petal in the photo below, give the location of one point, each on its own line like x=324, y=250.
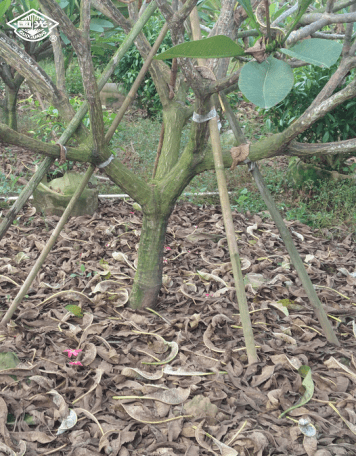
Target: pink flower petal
x=72, y=352
x=76, y=363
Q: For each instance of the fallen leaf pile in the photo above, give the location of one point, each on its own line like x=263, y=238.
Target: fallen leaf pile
x=83, y=374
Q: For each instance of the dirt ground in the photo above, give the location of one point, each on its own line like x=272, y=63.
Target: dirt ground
x=75, y=348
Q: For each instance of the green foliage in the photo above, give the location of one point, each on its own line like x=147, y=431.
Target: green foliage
x=131, y=64
x=336, y=125
x=310, y=80
x=74, y=81
x=75, y=310
x=316, y=51
x=266, y=84
x=215, y=47
x=248, y=201
x=303, y=5
x=8, y=185
x=246, y=4
x=208, y=11
x=47, y=121
x=4, y=6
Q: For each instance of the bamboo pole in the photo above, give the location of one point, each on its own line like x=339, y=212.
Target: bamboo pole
x=285, y=234
x=40, y=260
x=228, y=221
x=75, y=122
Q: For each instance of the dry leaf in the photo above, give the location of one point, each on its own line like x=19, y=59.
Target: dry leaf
x=239, y=154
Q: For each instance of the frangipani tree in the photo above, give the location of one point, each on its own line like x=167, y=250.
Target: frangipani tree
x=176, y=167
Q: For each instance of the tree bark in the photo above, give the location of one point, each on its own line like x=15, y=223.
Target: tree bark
x=10, y=106
x=148, y=277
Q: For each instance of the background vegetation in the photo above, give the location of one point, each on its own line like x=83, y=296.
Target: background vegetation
x=328, y=207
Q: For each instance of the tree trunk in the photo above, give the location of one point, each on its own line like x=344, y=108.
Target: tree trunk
x=10, y=106
x=148, y=278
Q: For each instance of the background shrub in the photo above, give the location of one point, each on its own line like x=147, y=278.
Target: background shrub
x=309, y=81
x=132, y=62
x=337, y=125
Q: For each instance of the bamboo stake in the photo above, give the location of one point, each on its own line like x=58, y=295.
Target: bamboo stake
x=295, y=257
x=75, y=122
x=231, y=240
x=40, y=260
x=228, y=221
x=285, y=234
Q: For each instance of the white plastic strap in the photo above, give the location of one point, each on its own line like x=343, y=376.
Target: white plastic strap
x=107, y=162
x=198, y=118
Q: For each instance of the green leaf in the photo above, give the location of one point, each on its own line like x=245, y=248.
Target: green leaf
x=8, y=360
x=75, y=310
x=208, y=48
x=64, y=38
x=323, y=53
x=304, y=372
x=246, y=4
x=266, y=84
x=101, y=22
x=96, y=28
x=4, y=6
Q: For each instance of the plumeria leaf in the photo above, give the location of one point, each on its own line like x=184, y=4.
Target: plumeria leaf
x=308, y=384
x=208, y=48
x=323, y=53
x=266, y=84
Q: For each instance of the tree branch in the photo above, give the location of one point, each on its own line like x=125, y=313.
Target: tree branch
x=110, y=11
x=10, y=136
x=329, y=6
x=17, y=58
x=81, y=43
x=275, y=144
x=335, y=80
x=348, y=35
x=337, y=7
x=284, y=15
x=330, y=18
x=225, y=25
x=224, y=83
x=159, y=70
x=306, y=150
